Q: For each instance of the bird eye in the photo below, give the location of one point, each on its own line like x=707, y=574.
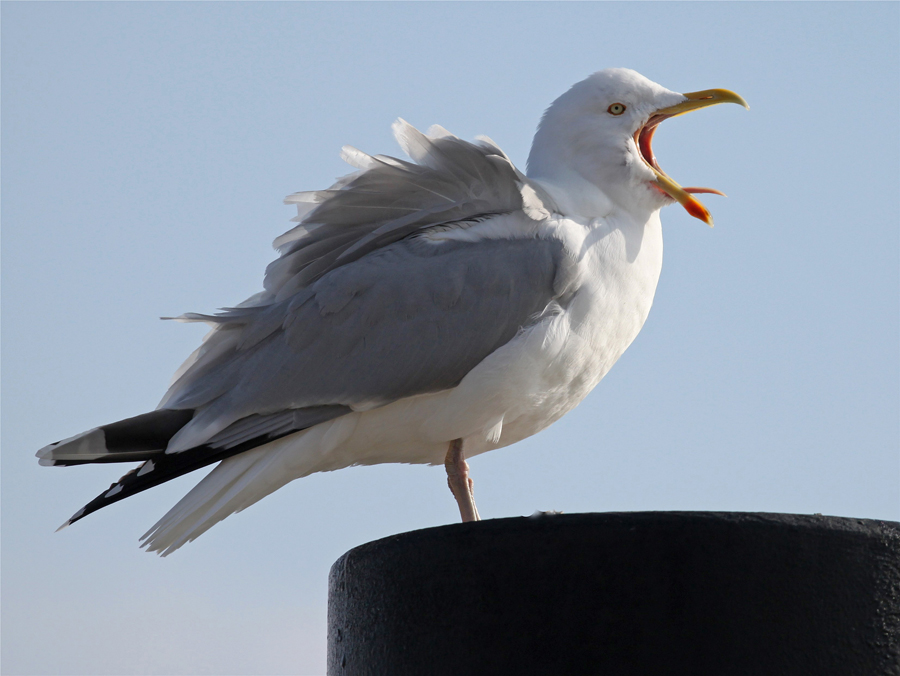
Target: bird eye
x=616, y=109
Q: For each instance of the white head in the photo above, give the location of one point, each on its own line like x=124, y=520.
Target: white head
x=600, y=131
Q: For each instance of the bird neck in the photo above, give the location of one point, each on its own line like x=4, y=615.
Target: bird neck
x=575, y=196
x=586, y=178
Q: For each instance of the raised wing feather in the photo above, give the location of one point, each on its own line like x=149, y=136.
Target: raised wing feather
x=451, y=180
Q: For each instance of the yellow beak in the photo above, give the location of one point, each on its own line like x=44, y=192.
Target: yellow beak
x=695, y=101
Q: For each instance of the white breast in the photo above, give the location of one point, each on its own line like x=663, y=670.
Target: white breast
x=546, y=372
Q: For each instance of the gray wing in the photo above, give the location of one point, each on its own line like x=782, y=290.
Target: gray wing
x=356, y=311
x=351, y=290
x=388, y=199
x=412, y=317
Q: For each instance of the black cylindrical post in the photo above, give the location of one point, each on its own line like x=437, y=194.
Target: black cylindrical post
x=647, y=593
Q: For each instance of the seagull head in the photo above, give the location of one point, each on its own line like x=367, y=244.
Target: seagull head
x=597, y=137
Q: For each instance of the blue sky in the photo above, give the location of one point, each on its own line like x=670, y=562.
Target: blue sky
x=146, y=149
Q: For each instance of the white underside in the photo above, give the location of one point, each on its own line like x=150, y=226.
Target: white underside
x=514, y=393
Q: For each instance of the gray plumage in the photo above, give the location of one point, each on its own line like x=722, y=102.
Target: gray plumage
x=413, y=317
x=360, y=310
x=369, y=302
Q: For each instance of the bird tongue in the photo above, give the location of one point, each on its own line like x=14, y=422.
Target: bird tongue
x=711, y=191
x=694, y=207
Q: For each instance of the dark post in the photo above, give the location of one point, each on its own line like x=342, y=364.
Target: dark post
x=646, y=593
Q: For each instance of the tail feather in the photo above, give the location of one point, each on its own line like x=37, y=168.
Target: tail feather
x=193, y=515
x=244, y=479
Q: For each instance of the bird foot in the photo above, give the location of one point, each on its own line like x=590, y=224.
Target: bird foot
x=460, y=484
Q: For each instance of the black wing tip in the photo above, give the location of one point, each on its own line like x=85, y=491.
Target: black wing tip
x=163, y=467
x=75, y=517
x=112, y=494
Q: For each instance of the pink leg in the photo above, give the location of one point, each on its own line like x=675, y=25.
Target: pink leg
x=460, y=484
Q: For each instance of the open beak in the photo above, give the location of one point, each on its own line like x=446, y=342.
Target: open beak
x=644, y=136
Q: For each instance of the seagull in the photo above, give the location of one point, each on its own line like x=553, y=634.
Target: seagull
x=420, y=311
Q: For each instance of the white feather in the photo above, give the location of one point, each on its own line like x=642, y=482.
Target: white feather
x=357, y=158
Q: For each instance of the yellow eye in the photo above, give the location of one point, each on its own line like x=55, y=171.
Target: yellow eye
x=616, y=109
